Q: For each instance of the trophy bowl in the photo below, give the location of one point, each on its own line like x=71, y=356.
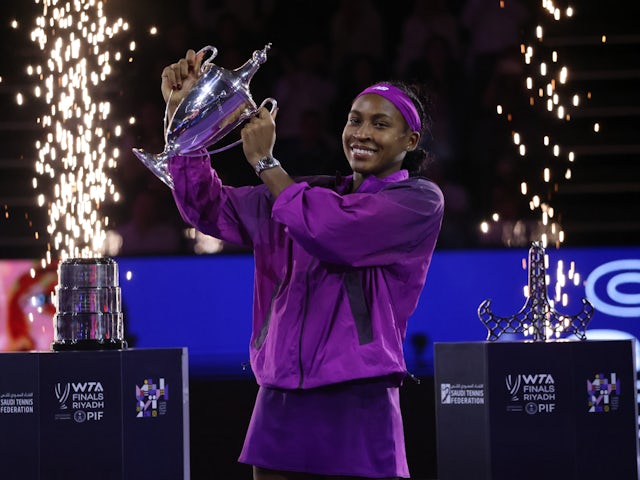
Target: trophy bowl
x=88, y=306
x=219, y=101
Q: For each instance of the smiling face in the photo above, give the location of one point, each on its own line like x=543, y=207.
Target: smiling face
x=376, y=137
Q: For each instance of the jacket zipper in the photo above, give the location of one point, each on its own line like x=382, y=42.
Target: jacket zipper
x=304, y=318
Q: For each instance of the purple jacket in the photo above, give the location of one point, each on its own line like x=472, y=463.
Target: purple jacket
x=336, y=275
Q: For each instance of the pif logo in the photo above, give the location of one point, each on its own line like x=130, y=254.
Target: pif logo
x=80, y=416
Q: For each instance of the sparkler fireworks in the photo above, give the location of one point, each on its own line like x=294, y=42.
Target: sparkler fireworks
x=75, y=153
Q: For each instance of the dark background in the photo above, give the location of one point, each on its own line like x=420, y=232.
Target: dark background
x=465, y=52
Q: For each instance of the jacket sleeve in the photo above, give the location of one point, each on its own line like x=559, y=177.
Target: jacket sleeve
x=362, y=229
x=228, y=213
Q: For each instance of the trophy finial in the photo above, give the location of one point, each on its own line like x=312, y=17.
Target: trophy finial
x=260, y=56
x=245, y=73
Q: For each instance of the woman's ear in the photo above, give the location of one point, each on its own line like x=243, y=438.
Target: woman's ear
x=412, y=142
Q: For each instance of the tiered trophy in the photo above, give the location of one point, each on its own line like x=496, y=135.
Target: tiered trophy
x=88, y=306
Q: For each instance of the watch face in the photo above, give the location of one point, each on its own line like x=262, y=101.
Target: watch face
x=266, y=163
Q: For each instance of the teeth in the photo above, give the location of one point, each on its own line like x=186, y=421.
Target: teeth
x=361, y=151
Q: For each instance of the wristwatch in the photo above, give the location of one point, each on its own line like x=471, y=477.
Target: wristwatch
x=265, y=163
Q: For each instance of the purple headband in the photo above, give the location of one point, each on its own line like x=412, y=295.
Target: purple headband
x=399, y=99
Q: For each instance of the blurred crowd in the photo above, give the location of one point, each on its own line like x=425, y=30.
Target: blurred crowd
x=466, y=54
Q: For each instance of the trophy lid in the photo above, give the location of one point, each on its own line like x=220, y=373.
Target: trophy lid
x=88, y=272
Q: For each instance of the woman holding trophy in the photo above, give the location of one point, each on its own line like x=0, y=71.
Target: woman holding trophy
x=340, y=264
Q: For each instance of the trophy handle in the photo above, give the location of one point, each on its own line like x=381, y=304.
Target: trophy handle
x=166, y=116
x=274, y=106
x=272, y=101
x=207, y=63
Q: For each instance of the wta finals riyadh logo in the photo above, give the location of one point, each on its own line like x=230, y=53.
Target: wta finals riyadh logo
x=62, y=394
x=513, y=385
x=152, y=398
x=603, y=394
x=533, y=393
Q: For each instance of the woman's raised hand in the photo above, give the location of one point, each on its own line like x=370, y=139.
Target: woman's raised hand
x=180, y=77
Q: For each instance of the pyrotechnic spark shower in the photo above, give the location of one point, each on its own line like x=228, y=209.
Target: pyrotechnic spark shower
x=547, y=88
x=75, y=155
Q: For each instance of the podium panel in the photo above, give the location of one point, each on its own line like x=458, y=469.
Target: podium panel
x=120, y=414
x=553, y=410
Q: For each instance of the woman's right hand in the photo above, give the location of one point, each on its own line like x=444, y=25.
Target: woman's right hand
x=180, y=77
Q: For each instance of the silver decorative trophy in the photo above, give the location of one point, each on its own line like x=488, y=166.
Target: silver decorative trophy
x=88, y=306
x=536, y=317
x=219, y=102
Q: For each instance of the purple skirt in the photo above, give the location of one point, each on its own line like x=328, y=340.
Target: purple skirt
x=352, y=429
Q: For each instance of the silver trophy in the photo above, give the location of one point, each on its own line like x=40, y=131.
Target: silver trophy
x=88, y=306
x=219, y=102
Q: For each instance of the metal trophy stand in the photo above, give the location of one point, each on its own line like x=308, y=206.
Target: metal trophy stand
x=498, y=401
x=536, y=317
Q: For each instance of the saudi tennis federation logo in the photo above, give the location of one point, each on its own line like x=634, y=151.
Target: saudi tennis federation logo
x=445, y=393
x=152, y=398
x=603, y=394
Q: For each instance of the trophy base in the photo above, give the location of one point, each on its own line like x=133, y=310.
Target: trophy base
x=85, y=345
x=157, y=164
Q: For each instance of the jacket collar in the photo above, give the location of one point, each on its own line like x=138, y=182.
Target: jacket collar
x=371, y=183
